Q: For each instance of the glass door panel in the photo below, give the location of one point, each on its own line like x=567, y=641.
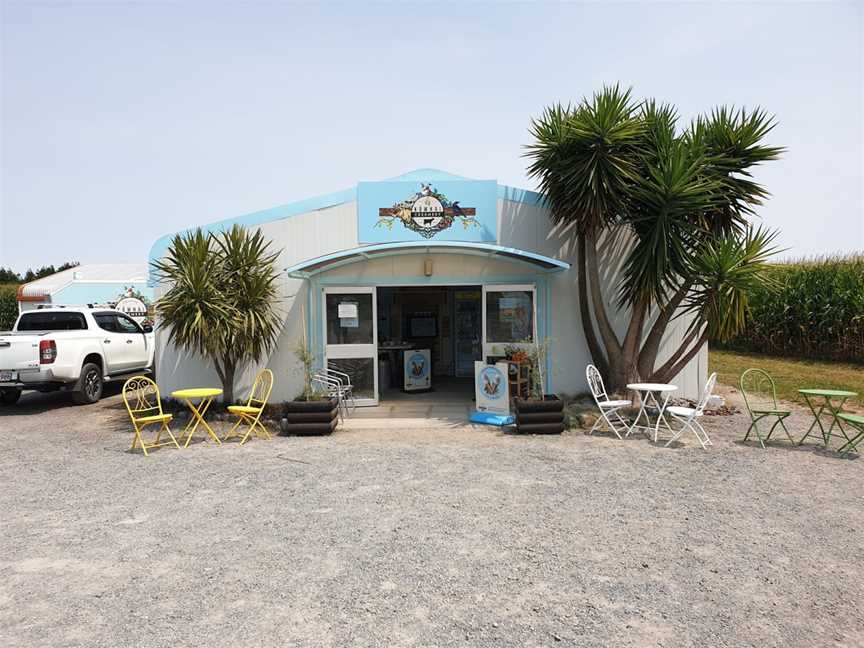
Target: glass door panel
x=468, y=334
x=351, y=338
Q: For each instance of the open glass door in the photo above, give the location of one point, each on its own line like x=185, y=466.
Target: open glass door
x=351, y=338
x=509, y=317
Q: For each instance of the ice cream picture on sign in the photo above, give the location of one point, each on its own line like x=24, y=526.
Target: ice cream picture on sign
x=427, y=212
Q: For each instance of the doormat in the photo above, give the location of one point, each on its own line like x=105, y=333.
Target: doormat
x=486, y=418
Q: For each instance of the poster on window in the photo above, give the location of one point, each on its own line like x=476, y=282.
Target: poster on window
x=510, y=315
x=347, y=310
x=418, y=370
x=491, y=390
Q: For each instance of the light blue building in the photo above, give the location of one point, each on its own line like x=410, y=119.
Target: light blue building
x=426, y=261
x=87, y=284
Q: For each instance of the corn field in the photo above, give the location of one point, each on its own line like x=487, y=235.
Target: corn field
x=816, y=311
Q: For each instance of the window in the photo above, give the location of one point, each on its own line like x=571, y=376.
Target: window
x=349, y=318
x=127, y=325
x=362, y=372
x=37, y=321
x=510, y=316
x=106, y=322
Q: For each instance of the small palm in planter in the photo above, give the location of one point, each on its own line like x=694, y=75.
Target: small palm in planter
x=313, y=412
x=540, y=413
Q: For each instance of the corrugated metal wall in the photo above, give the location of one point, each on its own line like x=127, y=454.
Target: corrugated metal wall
x=520, y=225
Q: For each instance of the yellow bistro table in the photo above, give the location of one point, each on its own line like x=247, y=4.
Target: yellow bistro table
x=205, y=396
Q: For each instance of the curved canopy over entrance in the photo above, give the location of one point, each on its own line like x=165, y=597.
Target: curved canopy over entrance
x=312, y=267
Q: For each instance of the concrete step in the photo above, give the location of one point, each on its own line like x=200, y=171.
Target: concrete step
x=353, y=423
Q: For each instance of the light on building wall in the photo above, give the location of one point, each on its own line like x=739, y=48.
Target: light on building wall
x=427, y=267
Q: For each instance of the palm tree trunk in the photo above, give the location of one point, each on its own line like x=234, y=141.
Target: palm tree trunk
x=607, y=333
x=225, y=369
x=648, y=354
x=228, y=385
x=680, y=358
x=703, y=340
x=597, y=355
x=633, y=339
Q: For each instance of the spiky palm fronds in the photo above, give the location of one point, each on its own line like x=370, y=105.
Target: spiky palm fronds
x=221, y=297
x=728, y=270
x=679, y=199
x=585, y=158
x=194, y=307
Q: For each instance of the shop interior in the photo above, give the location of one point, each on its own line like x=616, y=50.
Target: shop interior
x=441, y=323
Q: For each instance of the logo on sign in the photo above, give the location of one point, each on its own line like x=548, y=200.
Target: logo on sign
x=427, y=212
x=491, y=383
x=418, y=366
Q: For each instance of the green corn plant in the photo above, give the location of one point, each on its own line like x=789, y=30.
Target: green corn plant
x=815, y=311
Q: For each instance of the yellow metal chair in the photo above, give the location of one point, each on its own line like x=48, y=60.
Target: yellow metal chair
x=141, y=396
x=251, y=412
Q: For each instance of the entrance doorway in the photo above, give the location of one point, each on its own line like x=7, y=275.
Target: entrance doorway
x=420, y=343
x=442, y=324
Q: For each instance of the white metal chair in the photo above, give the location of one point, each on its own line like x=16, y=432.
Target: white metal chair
x=347, y=387
x=608, y=408
x=689, y=416
x=334, y=386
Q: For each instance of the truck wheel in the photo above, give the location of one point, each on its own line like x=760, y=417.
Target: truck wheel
x=89, y=385
x=9, y=396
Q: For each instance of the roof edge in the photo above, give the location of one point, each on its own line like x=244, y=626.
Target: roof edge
x=363, y=252
x=160, y=246
x=281, y=212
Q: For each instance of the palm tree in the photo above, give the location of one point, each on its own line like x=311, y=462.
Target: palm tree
x=618, y=171
x=221, y=298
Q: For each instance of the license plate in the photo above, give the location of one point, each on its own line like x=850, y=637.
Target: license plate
x=8, y=376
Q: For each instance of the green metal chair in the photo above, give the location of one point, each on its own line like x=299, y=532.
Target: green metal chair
x=760, y=397
x=857, y=422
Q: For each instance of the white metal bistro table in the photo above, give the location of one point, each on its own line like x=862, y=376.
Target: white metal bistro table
x=650, y=391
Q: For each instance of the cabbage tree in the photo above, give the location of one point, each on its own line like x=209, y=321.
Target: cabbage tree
x=221, y=298
x=678, y=201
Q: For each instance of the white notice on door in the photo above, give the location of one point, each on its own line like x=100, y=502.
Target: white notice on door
x=347, y=310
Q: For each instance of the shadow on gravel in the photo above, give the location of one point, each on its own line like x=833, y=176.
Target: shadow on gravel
x=828, y=453
x=32, y=402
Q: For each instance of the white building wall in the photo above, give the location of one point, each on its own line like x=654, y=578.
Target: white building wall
x=324, y=231
x=300, y=237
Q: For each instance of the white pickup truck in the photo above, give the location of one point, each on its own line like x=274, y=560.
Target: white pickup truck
x=72, y=348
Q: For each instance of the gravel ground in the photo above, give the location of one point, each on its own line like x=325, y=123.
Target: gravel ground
x=435, y=537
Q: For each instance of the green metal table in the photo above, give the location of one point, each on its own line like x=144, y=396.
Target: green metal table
x=828, y=396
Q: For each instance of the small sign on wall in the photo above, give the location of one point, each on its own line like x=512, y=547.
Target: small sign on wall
x=491, y=389
x=418, y=370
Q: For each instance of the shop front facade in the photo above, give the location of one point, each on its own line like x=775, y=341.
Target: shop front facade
x=406, y=283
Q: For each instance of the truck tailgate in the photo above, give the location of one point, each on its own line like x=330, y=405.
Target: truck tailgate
x=19, y=352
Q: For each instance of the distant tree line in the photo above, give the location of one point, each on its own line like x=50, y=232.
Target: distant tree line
x=9, y=276
x=8, y=307
x=9, y=279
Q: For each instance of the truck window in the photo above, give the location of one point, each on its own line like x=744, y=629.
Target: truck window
x=106, y=321
x=37, y=321
x=126, y=325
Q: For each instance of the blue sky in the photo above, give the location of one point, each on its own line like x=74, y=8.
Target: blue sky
x=122, y=122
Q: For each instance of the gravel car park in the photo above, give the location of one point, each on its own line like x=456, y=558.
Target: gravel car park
x=458, y=536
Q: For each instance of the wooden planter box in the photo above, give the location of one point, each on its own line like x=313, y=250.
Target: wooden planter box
x=539, y=416
x=310, y=418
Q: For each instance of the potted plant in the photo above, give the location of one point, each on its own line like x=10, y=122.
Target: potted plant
x=313, y=412
x=539, y=413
